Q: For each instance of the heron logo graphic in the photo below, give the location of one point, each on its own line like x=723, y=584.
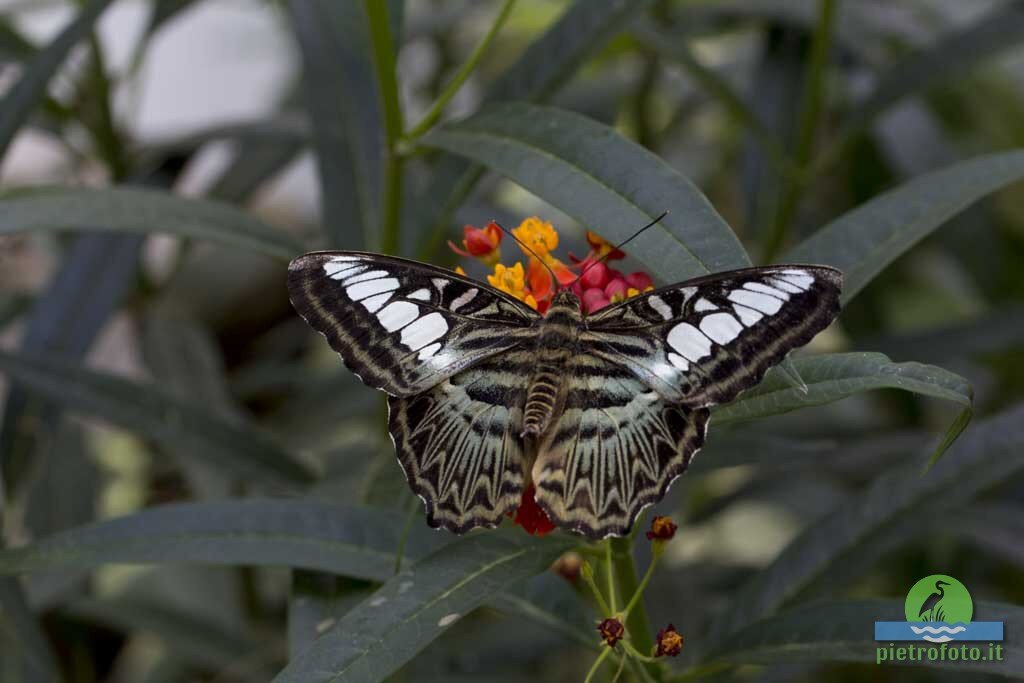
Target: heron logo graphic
x=939, y=609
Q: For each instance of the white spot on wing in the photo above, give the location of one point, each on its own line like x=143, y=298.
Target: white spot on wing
x=464, y=299
x=721, y=327
x=420, y=294
x=424, y=331
x=339, y=269
x=448, y=619
x=360, y=291
x=704, y=305
x=397, y=315
x=440, y=283
x=797, y=277
x=428, y=351
x=784, y=285
x=765, y=289
x=761, y=302
x=689, y=342
x=374, y=303
x=678, y=361
x=368, y=275
x=659, y=305
x=748, y=316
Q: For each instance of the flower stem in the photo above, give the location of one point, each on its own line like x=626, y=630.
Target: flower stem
x=432, y=116
x=387, y=85
x=609, y=573
x=588, y=575
x=810, y=113
x=597, y=665
x=636, y=614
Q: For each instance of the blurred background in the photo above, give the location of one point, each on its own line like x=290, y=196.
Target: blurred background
x=243, y=101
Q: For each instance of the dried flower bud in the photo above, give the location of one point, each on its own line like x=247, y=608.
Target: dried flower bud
x=662, y=529
x=670, y=643
x=611, y=630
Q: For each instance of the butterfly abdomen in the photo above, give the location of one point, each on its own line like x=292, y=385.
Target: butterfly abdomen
x=557, y=339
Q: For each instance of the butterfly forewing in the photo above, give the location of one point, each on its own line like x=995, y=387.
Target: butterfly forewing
x=459, y=442
x=702, y=342
x=615, y=448
x=400, y=325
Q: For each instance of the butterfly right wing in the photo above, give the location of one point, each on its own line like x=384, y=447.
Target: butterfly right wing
x=459, y=442
x=403, y=326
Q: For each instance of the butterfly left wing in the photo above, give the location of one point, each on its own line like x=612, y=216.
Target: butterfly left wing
x=459, y=442
x=400, y=325
x=701, y=342
x=615, y=448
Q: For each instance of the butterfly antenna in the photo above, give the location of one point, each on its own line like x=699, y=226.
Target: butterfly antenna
x=526, y=247
x=622, y=244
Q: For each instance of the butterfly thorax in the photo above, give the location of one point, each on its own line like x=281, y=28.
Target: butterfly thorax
x=557, y=340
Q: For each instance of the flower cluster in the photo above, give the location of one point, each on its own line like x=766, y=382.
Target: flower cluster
x=596, y=283
x=669, y=642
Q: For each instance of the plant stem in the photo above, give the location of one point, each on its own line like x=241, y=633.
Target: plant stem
x=810, y=113
x=597, y=665
x=436, y=109
x=636, y=619
x=609, y=572
x=588, y=576
x=387, y=85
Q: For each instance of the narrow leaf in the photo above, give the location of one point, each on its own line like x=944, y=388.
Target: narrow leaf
x=851, y=538
x=418, y=605
x=30, y=90
x=844, y=632
x=141, y=211
x=25, y=654
x=309, y=534
x=233, y=444
x=608, y=183
x=862, y=242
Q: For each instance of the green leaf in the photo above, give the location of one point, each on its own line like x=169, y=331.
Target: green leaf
x=993, y=527
x=25, y=654
x=344, y=106
x=608, y=183
x=940, y=63
x=844, y=631
x=231, y=443
x=544, y=67
x=141, y=211
x=418, y=604
x=30, y=90
x=831, y=377
x=308, y=534
x=848, y=541
x=865, y=240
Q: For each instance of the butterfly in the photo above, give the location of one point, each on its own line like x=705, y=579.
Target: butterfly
x=601, y=412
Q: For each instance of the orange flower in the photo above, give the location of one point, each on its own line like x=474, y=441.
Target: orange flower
x=603, y=249
x=512, y=281
x=482, y=244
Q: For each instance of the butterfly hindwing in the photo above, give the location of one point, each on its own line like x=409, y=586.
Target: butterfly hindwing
x=459, y=442
x=700, y=343
x=615, y=448
x=400, y=325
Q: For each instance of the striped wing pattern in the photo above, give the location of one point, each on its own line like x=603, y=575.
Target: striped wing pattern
x=459, y=442
x=403, y=326
x=702, y=342
x=616, y=447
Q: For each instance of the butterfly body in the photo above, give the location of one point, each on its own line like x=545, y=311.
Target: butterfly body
x=557, y=341
x=600, y=412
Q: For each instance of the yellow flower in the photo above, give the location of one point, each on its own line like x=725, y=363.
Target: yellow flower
x=537, y=235
x=512, y=281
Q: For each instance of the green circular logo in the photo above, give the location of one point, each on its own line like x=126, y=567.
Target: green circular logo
x=939, y=598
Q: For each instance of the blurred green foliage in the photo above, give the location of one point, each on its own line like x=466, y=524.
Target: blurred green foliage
x=165, y=407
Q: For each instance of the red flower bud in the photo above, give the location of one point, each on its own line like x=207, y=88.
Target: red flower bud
x=596, y=275
x=594, y=300
x=639, y=280
x=530, y=516
x=615, y=290
x=662, y=529
x=480, y=243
